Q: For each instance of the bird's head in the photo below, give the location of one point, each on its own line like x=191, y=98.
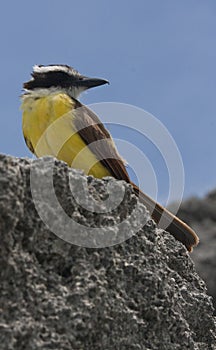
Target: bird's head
x=60, y=77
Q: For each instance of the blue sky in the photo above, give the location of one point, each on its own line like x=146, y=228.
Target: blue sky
x=157, y=55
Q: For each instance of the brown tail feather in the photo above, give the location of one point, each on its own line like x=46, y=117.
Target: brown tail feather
x=166, y=220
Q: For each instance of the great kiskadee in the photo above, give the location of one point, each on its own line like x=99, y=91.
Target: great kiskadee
x=56, y=123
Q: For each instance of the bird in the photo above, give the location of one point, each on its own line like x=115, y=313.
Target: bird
x=56, y=123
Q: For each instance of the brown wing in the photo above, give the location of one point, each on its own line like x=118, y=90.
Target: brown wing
x=91, y=130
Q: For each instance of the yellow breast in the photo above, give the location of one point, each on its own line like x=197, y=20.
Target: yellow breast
x=49, y=130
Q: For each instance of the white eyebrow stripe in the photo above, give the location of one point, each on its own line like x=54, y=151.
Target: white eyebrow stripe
x=57, y=68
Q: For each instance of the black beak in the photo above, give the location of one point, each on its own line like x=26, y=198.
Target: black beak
x=91, y=82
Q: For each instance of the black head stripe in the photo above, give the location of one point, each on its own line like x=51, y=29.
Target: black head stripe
x=53, y=78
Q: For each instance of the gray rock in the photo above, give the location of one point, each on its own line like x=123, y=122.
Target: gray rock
x=200, y=213
x=143, y=293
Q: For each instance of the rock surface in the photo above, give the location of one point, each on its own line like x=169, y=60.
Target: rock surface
x=141, y=294
x=200, y=213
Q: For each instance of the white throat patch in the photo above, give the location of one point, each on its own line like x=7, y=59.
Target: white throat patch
x=73, y=92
